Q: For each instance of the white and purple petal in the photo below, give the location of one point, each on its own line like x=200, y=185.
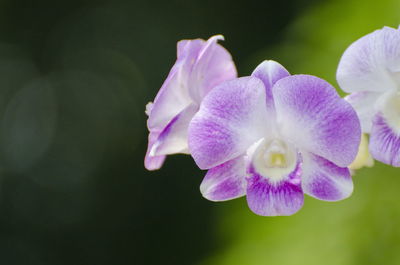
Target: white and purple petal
x=226, y=181
x=371, y=63
x=173, y=138
x=364, y=103
x=384, y=142
x=199, y=67
x=213, y=65
x=324, y=180
x=270, y=198
x=231, y=118
x=181, y=83
x=173, y=95
x=314, y=118
x=269, y=72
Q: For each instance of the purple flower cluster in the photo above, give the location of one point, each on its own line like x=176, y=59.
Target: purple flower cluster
x=273, y=136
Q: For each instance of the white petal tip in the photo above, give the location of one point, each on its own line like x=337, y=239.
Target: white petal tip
x=217, y=37
x=149, y=107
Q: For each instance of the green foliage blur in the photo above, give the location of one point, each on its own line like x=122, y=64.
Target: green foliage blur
x=75, y=77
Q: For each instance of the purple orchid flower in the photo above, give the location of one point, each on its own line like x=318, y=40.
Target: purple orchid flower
x=200, y=66
x=273, y=137
x=370, y=70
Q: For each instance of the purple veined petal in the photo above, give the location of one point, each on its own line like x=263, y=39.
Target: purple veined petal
x=391, y=43
x=153, y=162
x=364, y=103
x=369, y=64
x=231, y=118
x=384, y=143
x=270, y=72
x=173, y=95
x=324, y=180
x=269, y=198
x=213, y=66
x=200, y=66
x=173, y=139
x=226, y=181
x=314, y=118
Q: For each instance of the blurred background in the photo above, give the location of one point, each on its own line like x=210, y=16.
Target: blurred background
x=74, y=80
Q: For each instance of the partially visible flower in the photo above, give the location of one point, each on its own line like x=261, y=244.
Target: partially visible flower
x=200, y=66
x=273, y=137
x=370, y=70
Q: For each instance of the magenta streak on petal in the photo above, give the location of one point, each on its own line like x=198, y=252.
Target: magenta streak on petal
x=228, y=189
x=267, y=198
x=226, y=181
x=384, y=142
x=324, y=180
x=323, y=188
x=164, y=134
x=173, y=138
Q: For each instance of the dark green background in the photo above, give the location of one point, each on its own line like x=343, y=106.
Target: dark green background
x=74, y=80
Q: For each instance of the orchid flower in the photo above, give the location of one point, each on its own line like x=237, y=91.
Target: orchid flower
x=370, y=70
x=273, y=136
x=200, y=66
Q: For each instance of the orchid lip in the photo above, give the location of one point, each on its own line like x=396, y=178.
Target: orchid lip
x=274, y=159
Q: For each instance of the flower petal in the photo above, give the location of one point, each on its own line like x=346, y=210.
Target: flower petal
x=226, y=181
x=384, y=143
x=173, y=139
x=364, y=103
x=213, y=65
x=171, y=99
x=370, y=62
x=324, y=180
x=153, y=162
x=268, y=198
x=231, y=118
x=270, y=72
x=189, y=48
x=314, y=118
x=200, y=65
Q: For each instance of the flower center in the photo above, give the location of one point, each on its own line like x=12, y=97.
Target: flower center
x=274, y=159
